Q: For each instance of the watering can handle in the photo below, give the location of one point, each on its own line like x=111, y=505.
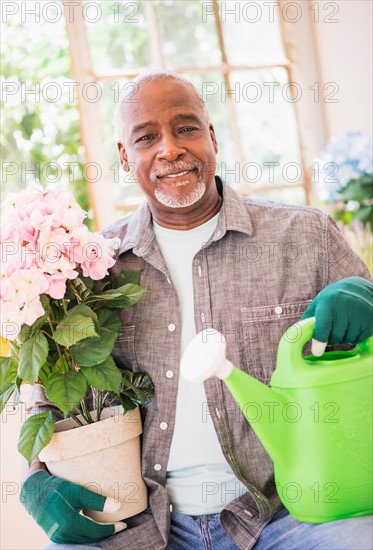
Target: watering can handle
x=296, y=336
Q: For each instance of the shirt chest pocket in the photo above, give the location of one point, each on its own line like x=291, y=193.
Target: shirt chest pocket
x=262, y=329
x=124, y=351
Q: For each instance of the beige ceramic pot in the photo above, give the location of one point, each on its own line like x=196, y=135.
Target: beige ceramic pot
x=105, y=457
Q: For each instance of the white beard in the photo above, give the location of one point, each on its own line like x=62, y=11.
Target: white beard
x=181, y=201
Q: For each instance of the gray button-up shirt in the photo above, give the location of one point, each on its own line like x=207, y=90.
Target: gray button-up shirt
x=253, y=279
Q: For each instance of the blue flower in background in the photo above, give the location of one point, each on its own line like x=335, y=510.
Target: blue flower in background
x=343, y=158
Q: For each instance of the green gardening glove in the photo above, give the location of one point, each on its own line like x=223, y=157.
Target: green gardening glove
x=55, y=505
x=344, y=313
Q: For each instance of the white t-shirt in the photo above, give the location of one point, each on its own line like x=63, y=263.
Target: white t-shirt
x=199, y=479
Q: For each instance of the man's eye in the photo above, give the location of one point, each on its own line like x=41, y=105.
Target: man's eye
x=187, y=129
x=147, y=137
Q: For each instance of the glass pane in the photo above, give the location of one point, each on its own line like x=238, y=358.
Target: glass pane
x=125, y=187
x=118, y=35
x=40, y=139
x=266, y=118
x=251, y=32
x=211, y=89
x=208, y=84
x=187, y=39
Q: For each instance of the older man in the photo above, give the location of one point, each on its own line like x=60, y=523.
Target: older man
x=250, y=269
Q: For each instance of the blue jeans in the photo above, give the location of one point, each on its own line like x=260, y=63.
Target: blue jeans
x=283, y=533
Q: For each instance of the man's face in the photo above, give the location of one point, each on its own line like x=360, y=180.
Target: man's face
x=172, y=145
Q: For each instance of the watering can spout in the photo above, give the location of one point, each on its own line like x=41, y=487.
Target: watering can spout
x=206, y=357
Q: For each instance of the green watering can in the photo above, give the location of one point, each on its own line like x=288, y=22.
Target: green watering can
x=315, y=421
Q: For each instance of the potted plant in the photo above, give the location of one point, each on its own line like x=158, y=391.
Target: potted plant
x=59, y=310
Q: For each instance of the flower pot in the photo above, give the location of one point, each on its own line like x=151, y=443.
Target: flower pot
x=105, y=457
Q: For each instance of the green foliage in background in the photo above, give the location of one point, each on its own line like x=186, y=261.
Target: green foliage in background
x=40, y=137
x=357, y=201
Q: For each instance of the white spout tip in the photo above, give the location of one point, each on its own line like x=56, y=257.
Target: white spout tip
x=205, y=357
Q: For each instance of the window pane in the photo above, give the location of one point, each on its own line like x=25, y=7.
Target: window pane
x=208, y=84
x=266, y=118
x=118, y=35
x=40, y=139
x=125, y=187
x=251, y=32
x=187, y=40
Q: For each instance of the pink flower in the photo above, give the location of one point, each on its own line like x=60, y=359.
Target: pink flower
x=57, y=286
x=13, y=256
x=23, y=286
x=11, y=320
x=33, y=280
x=93, y=252
x=31, y=311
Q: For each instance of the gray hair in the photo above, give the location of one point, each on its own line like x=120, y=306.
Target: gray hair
x=145, y=78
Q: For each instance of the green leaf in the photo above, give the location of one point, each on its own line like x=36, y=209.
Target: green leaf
x=74, y=327
x=109, y=319
x=127, y=276
x=35, y=434
x=8, y=369
x=137, y=387
x=24, y=334
x=83, y=286
x=57, y=311
x=123, y=296
x=127, y=403
x=132, y=291
x=105, y=376
x=66, y=390
x=364, y=214
x=6, y=392
x=84, y=283
x=356, y=191
x=44, y=373
x=99, y=286
x=61, y=365
x=32, y=356
x=93, y=351
x=114, y=302
x=366, y=179
x=83, y=310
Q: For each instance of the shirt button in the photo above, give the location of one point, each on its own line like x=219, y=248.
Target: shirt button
x=171, y=327
x=169, y=374
x=163, y=425
x=278, y=310
x=157, y=467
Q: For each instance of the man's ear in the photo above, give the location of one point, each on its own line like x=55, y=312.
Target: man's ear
x=213, y=137
x=123, y=156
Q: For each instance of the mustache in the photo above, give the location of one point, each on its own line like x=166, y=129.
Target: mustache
x=172, y=167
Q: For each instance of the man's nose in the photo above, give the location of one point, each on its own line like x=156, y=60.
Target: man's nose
x=170, y=149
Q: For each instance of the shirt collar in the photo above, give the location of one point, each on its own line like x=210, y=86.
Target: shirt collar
x=233, y=216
